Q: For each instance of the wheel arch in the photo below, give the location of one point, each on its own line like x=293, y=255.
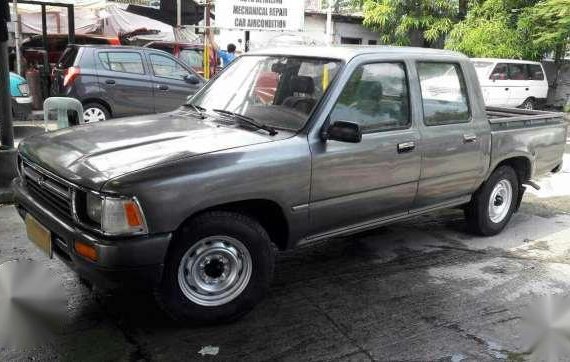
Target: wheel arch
x=99, y=101
x=267, y=212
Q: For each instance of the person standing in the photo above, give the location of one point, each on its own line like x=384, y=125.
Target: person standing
x=228, y=55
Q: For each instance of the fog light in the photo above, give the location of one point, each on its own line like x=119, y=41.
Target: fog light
x=86, y=251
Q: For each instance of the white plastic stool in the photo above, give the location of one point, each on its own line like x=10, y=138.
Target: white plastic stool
x=62, y=105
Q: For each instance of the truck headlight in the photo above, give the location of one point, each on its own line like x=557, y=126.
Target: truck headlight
x=116, y=215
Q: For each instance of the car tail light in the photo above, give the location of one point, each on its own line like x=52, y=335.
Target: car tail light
x=69, y=75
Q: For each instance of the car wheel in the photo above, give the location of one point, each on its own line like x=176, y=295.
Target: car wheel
x=529, y=105
x=219, y=268
x=494, y=203
x=95, y=112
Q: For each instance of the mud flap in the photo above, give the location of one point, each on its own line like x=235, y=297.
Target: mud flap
x=522, y=189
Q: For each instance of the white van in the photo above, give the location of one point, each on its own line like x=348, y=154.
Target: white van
x=511, y=83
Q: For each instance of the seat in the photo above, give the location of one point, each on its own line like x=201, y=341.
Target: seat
x=302, y=103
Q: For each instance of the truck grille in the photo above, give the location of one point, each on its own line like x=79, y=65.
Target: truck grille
x=48, y=190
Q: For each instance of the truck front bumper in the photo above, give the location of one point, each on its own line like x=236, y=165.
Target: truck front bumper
x=134, y=262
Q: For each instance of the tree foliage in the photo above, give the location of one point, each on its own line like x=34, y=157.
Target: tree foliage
x=398, y=20
x=513, y=29
x=488, y=31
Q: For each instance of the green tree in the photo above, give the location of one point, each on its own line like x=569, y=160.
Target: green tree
x=490, y=30
x=411, y=22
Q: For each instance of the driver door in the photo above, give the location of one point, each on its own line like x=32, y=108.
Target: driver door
x=377, y=178
x=170, y=82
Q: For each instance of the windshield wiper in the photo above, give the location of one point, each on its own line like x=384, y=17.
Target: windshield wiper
x=248, y=120
x=198, y=109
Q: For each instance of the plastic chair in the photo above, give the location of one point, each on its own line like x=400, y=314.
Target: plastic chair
x=62, y=105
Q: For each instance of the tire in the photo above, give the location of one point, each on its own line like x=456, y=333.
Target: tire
x=502, y=189
x=529, y=104
x=188, y=272
x=95, y=112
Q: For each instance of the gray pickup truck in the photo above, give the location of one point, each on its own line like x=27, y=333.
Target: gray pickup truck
x=285, y=147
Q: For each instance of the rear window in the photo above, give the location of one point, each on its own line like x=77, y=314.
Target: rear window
x=535, y=72
x=125, y=62
x=68, y=57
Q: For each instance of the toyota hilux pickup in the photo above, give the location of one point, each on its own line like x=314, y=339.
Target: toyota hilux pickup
x=193, y=204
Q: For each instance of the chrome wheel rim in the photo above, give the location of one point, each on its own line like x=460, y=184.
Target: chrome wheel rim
x=91, y=115
x=500, y=201
x=528, y=106
x=215, y=270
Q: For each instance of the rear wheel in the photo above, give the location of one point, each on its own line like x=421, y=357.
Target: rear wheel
x=494, y=203
x=221, y=265
x=529, y=104
x=95, y=112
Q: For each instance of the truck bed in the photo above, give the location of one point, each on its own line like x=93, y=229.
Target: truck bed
x=536, y=135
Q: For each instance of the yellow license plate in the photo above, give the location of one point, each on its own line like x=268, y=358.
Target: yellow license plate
x=39, y=235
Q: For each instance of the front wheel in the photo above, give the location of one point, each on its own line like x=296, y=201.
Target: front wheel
x=494, y=203
x=220, y=266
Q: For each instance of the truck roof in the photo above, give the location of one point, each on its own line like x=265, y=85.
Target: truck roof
x=348, y=52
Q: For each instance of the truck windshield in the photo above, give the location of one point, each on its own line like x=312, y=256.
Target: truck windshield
x=277, y=91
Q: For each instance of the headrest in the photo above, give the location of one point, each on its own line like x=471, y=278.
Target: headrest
x=302, y=84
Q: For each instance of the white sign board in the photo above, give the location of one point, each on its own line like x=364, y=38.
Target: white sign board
x=268, y=15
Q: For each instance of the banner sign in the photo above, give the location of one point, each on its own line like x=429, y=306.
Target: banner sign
x=269, y=15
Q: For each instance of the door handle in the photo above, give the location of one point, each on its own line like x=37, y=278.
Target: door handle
x=526, y=89
x=406, y=147
x=469, y=138
x=162, y=87
x=506, y=89
x=110, y=81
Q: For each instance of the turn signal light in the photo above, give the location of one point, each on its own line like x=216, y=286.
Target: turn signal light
x=133, y=214
x=86, y=251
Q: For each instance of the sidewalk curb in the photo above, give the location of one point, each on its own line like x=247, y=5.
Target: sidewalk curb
x=6, y=195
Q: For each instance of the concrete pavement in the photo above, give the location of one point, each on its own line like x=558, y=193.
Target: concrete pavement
x=422, y=289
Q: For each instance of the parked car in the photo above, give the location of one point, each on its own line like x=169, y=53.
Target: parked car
x=512, y=83
x=190, y=54
x=21, y=98
x=190, y=203
x=118, y=81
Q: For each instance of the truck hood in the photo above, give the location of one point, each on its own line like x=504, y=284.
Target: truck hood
x=90, y=155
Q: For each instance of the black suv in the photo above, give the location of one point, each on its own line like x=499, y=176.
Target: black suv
x=118, y=81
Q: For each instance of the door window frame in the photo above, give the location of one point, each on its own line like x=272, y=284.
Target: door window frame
x=109, y=51
x=409, y=95
x=168, y=56
x=462, y=81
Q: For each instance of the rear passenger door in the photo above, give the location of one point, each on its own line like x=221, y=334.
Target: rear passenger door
x=170, y=79
x=518, y=83
x=124, y=81
x=452, y=141
x=498, y=86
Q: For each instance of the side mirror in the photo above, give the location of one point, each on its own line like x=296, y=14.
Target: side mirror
x=192, y=79
x=344, y=131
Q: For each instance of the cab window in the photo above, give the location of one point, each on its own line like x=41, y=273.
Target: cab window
x=125, y=62
x=535, y=72
x=166, y=67
x=444, y=94
x=376, y=97
x=517, y=71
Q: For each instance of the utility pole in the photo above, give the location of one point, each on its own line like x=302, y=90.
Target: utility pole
x=329, y=27
x=206, y=40
x=179, y=13
x=17, y=37
x=6, y=130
